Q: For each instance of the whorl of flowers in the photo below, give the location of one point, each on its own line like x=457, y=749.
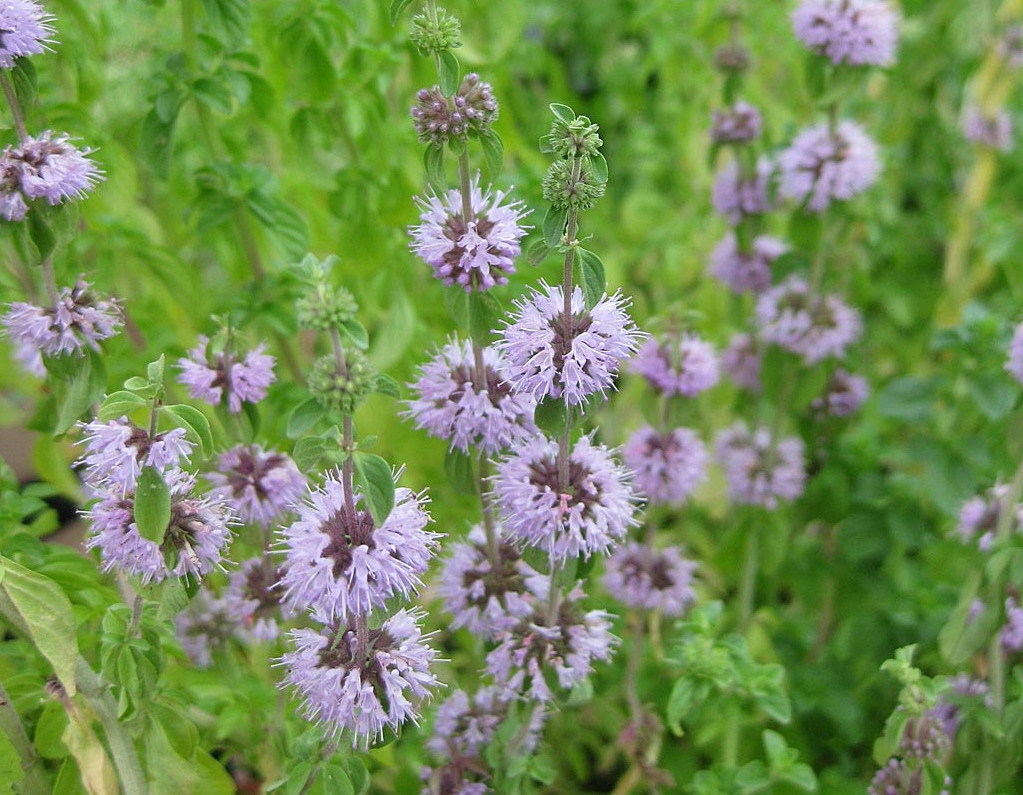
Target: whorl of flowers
x=822, y=165
x=220, y=376
x=745, y=271
x=844, y=394
x=339, y=563
x=855, y=32
x=640, y=576
x=988, y=129
x=980, y=516
x=742, y=360
x=448, y=404
x=77, y=320
x=260, y=485
x=47, y=166
x=484, y=596
x=666, y=467
x=1011, y=634
x=477, y=255
x=116, y=452
x=683, y=365
x=547, y=355
x=568, y=648
x=924, y=738
x=585, y=516
x=361, y=688
x=760, y=470
x=962, y=689
x=26, y=30
x=735, y=194
x=254, y=599
x=738, y=124
x=473, y=108
x=204, y=626
x=814, y=328
x=1014, y=362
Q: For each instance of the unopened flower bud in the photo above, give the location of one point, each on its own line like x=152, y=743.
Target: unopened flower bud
x=731, y=58
x=341, y=388
x=576, y=138
x=472, y=109
x=562, y=188
x=431, y=36
x=325, y=307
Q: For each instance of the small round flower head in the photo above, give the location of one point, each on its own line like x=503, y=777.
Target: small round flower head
x=991, y=130
x=339, y=563
x=253, y=598
x=342, y=388
x=204, y=626
x=193, y=544
x=545, y=356
x=564, y=189
x=477, y=255
x=437, y=33
x=325, y=307
x=585, y=516
x=924, y=738
x=1014, y=363
x=532, y=649
x=116, y=452
x=449, y=406
x=742, y=360
x=666, y=467
x=45, y=167
x=220, y=376
x=472, y=109
x=735, y=195
x=732, y=58
x=465, y=725
x=260, y=485
x=1011, y=635
x=738, y=124
x=962, y=689
x=361, y=691
x=854, y=32
x=980, y=516
x=844, y=394
x=686, y=365
x=896, y=778
x=651, y=579
x=821, y=166
x=78, y=320
x=813, y=328
x=746, y=271
x=25, y=29
x=575, y=138
x=759, y=469
x=483, y=596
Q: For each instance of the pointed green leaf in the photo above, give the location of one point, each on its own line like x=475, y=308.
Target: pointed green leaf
x=377, y=484
x=152, y=505
x=397, y=6
x=118, y=404
x=458, y=468
x=563, y=112
x=448, y=72
x=303, y=417
x=591, y=272
x=554, y=225
x=433, y=159
x=197, y=427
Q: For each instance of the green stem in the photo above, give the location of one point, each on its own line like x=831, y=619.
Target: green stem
x=15, y=106
x=34, y=782
x=748, y=583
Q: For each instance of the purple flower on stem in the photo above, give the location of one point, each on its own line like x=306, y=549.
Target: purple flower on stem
x=213, y=376
x=988, y=129
x=437, y=119
x=1011, y=635
x=587, y=515
x=204, y=626
x=449, y=405
x=340, y=564
x=855, y=32
x=962, y=689
x=545, y=356
x=684, y=365
x=738, y=124
x=844, y=395
x=45, y=167
x=1014, y=364
x=980, y=516
x=735, y=194
x=760, y=470
x=746, y=271
x=477, y=255
x=666, y=467
x=116, y=452
x=26, y=30
x=483, y=596
x=742, y=360
x=814, y=328
x=254, y=599
x=822, y=166
x=361, y=686
x=260, y=485
x=653, y=579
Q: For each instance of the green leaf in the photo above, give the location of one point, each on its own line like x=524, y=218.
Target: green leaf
x=433, y=159
x=563, y=112
x=155, y=372
x=484, y=313
x=377, y=483
x=752, y=777
x=137, y=384
x=386, y=385
x=457, y=302
x=118, y=404
x=680, y=701
x=801, y=776
x=965, y=633
x=76, y=394
x=356, y=332
x=196, y=426
x=805, y=229
x=448, y=64
x=308, y=452
x=36, y=605
x=397, y=6
x=554, y=225
x=493, y=152
x=42, y=235
x=591, y=271
x=10, y=763
x=171, y=598
x=458, y=467
x=229, y=18
x=550, y=417
x=152, y=505
x=49, y=731
x=303, y=417
x=537, y=252
x=598, y=167
x=212, y=94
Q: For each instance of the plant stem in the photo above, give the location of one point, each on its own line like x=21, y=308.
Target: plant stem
x=348, y=467
x=14, y=105
x=748, y=583
x=35, y=782
x=632, y=672
x=49, y=279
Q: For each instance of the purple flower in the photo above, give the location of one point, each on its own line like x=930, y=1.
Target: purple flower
x=568, y=647
x=46, y=166
x=924, y=738
x=339, y=563
x=26, y=30
x=449, y=406
x=116, y=452
x=896, y=778
x=193, y=544
x=738, y=124
x=821, y=166
x=653, y=579
x=742, y=360
x=545, y=356
x=1010, y=46
x=204, y=626
x=855, y=32
x=844, y=394
x=213, y=376
x=760, y=470
x=1014, y=364
x=736, y=194
x=78, y=320
x=484, y=596
x=1011, y=635
x=813, y=328
x=746, y=271
x=981, y=515
x=476, y=255
x=253, y=598
x=666, y=467
x=684, y=365
x=963, y=688
x=472, y=109
x=366, y=688
x=587, y=515
x=260, y=485
x=993, y=130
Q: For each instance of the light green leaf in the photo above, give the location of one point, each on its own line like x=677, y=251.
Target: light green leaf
x=197, y=427
x=303, y=417
x=152, y=505
x=377, y=484
x=118, y=404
